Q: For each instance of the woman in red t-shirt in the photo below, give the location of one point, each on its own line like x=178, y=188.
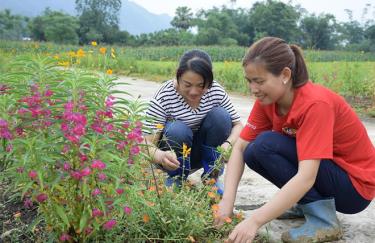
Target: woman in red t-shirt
x=307, y=141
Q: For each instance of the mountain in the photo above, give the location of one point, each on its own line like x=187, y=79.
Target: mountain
x=133, y=18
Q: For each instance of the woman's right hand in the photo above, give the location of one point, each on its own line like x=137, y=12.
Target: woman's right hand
x=225, y=211
x=168, y=160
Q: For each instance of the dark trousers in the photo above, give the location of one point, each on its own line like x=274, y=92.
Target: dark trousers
x=214, y=130
x=274, y=156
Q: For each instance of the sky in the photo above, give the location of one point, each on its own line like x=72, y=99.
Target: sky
x=335, y=7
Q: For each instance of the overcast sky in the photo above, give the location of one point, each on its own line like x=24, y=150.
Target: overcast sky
x=335, y=7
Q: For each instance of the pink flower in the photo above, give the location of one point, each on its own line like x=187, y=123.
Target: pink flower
x=20, y=170
x=88, y=230
x=28, y=203
x=126, y=125
x=98, y=164
x=85, y=172
x=109, y=224
x=76, y=175
x=41, y=197
x=66, y=166
x=120, y=191
x=48, y=93
x=65, y=237
x=9, y=148
x=135, y=150
x=33, y=174
x=65, y=149
x=97, y=213
x=127, y=210
x=96, y=192
x=102, y=176
x=82, y=157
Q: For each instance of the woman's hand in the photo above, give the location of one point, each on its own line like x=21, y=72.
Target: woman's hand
x=244, y=232
x=167, y=159
x=225, y=210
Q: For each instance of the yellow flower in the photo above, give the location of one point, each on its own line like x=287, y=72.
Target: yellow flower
x=102, y=50
x=159, y=126
x=64, y=64
x=185, y=151
x=71, y=53
x=109, y=71
x=113, y=53
x=94, y=43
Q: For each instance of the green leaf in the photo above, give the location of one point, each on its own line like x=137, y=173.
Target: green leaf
x=61, y=213
x=83, y=221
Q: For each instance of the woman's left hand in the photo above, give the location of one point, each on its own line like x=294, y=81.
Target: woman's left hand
x=244, y=232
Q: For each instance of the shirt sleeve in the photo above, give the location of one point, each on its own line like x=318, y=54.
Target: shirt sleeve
x=314, y=136
x=155, y=117
x=257, y=122
x=227, y=105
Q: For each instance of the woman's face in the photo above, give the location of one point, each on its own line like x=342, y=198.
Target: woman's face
x=264, y=86
x=191, y=87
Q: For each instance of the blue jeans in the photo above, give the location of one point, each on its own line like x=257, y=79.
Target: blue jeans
x=214, y=130
x=274, y=156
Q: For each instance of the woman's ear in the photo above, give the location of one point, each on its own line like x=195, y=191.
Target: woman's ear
x=286, y=74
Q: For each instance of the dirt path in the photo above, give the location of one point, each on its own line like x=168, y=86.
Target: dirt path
x=254, y=190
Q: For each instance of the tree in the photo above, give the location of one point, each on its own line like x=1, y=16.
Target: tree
x=12, y=27
x=98, y=19
x=183, y=18
x=55, y=26
x=217, y=26
x=274, y=18
x=318, y=31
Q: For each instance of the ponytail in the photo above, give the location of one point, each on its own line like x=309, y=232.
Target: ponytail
x=300, y=74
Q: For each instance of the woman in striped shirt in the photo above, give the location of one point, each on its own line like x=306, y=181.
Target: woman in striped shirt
x=191, y=112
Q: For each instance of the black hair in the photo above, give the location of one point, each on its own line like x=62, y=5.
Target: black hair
x=199, y=62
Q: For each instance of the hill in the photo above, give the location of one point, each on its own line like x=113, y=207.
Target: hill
x=133, y=18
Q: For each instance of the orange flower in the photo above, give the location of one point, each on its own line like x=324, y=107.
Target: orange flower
x=109, y=71
x=80, y=53
x=211, y=194
x=215, y=207
x=228, y=220
x=239, y=216
x=146, y=218
x=211, y=181
x=17, y=215
x=102, y=50
x=152, y=188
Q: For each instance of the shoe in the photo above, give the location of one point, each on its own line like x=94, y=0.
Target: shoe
x=321, y=224
x=210, y=155
x=293, y=213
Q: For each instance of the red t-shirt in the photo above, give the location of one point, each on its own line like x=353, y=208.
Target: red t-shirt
x=325, y=127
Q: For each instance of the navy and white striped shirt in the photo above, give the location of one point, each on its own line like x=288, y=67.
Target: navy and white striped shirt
x=168, y=104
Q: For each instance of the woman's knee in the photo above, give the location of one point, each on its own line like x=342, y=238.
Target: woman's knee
x=178, y=133
x=218, y=121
